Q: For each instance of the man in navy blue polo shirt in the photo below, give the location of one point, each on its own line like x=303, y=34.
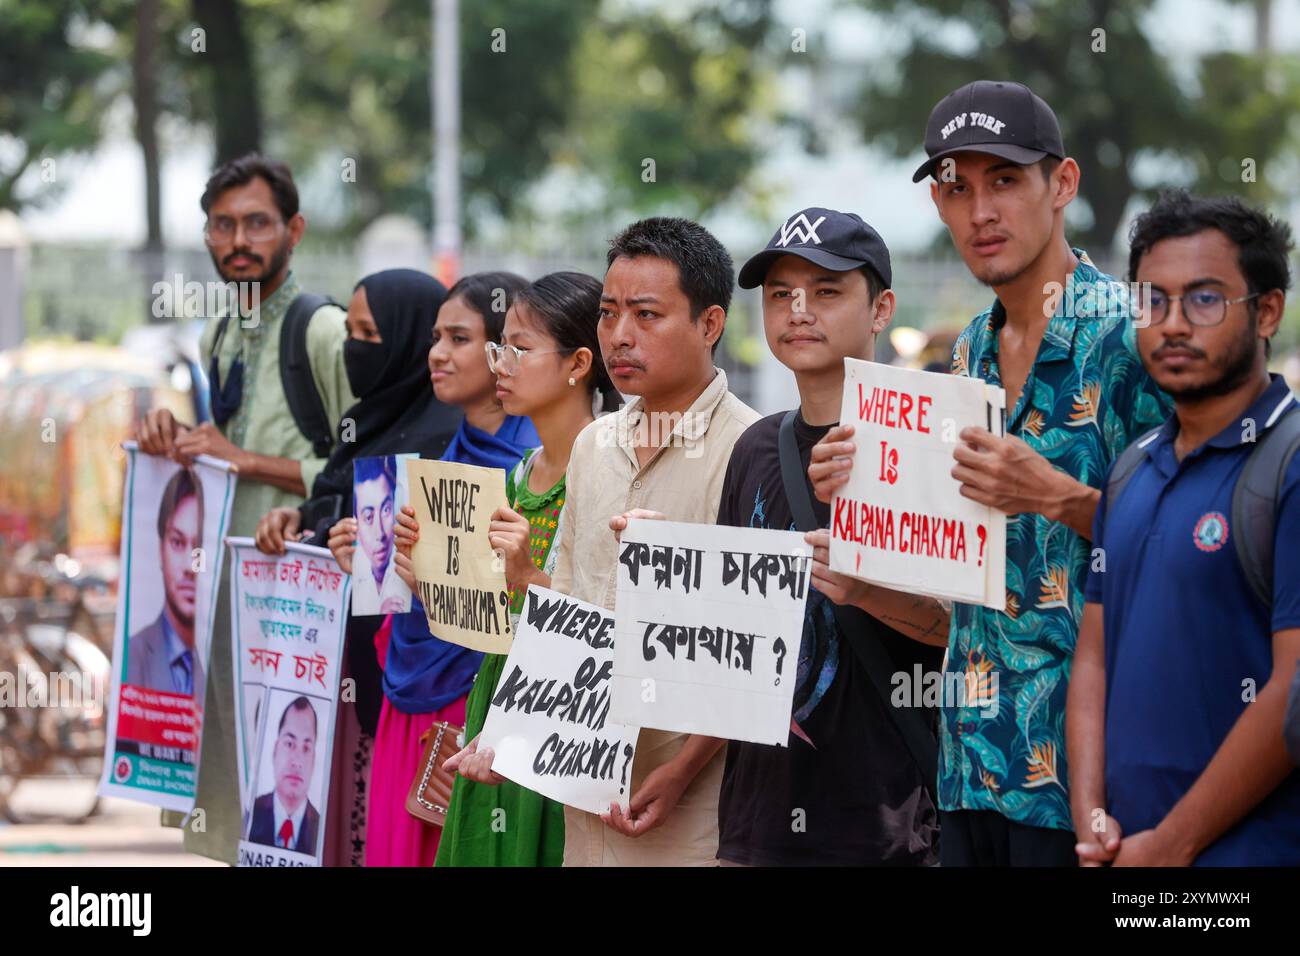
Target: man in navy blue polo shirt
x=1174, y=719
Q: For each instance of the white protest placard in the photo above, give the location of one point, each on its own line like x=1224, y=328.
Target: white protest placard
x=901, y=521
x=459, y=579
x=710, y=620
x=173, y=523
x=288, y=619
x=549, y=719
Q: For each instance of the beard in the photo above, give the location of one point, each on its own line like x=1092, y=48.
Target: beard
x=993, y=276
x=278, y=258
x=1233, y=369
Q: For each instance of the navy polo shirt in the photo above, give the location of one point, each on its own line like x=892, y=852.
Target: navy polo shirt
x=1185, y=633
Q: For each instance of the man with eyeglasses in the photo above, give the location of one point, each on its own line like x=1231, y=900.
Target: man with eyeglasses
x=1181, y=673
x=253, y=225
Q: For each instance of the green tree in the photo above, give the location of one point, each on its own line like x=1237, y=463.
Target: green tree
x=1117, y=98
x=680, y=92
x=54, y=87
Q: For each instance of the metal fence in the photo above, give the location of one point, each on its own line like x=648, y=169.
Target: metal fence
x=99, y=293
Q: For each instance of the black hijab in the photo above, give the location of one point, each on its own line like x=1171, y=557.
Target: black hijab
x=400, y=415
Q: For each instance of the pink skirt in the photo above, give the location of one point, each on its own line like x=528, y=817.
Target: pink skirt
x=393, y=836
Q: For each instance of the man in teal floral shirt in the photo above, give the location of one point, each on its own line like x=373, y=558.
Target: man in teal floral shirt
x=1059, y=340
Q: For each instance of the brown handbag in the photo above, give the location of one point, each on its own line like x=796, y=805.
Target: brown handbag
x=431, y=789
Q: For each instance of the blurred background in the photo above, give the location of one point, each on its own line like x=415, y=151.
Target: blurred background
x=522, y=134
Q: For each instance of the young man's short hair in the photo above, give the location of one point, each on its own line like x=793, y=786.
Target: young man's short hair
x=1263, y=242
x=184, y=484
x=705, y=271
x=242, y=171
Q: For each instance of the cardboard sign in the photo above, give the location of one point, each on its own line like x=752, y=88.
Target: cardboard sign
x=710, y=620
x=901, y=521
x=549, y=720
x=459, y=580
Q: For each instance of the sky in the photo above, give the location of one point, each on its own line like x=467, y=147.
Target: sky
x=104, y=200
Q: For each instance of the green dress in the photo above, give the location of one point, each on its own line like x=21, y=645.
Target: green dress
x=507, y=825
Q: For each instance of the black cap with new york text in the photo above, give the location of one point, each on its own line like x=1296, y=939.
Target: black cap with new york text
x=838, y=241
x=991, y=116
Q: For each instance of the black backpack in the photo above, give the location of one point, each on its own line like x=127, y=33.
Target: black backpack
x=300, y=392
x=1254, y=498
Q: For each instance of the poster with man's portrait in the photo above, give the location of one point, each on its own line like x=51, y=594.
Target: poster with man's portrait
x=379, y=490
x=289, y=782
x=288, y=621
x=173, y=521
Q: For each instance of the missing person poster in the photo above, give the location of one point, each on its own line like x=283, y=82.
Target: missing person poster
x=378, y=493
x=710, y=621
x=173, y=522
x=459, y=580
x=288, y=620
x=902, y=521
x=549, y=720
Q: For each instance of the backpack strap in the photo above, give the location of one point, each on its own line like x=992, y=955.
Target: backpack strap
x=1255, y=499
x=295, y=374
x=868, y=649
x=1125, y=465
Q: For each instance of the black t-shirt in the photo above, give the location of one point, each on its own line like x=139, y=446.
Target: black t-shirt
x=854, y=795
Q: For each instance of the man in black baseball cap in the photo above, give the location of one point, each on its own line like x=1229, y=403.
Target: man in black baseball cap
x=1076, y=395
x=1007, y=120
x=845, y=790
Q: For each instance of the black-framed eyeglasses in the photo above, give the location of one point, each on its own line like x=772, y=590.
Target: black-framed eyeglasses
x=1203, y=307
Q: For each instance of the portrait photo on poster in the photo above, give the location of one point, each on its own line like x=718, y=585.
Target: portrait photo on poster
x=167, y=551
x=378, y=493
x=290, y=781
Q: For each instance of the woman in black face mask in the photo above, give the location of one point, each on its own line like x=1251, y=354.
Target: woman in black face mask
x=390, y=331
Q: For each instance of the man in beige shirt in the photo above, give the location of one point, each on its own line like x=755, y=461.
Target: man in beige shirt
x=665, y=454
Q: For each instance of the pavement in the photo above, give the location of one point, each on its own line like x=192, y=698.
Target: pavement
x=120, y=833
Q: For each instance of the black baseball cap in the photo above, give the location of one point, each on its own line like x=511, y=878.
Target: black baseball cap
x=838, y=241
x=991, y=116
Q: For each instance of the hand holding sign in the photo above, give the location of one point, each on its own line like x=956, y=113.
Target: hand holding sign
x=1003, y=472
x=342, y=542
x=832, y=462
x=618, y=523
x=652, y=802
x=509, y=533
x=474, y=764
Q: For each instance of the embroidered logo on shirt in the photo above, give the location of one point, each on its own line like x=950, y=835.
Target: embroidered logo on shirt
x=1211, y=531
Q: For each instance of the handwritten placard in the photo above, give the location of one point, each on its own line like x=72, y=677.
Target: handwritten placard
x=549, y=719
x=901, y=521
x=710, y=620
x=459, y=580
